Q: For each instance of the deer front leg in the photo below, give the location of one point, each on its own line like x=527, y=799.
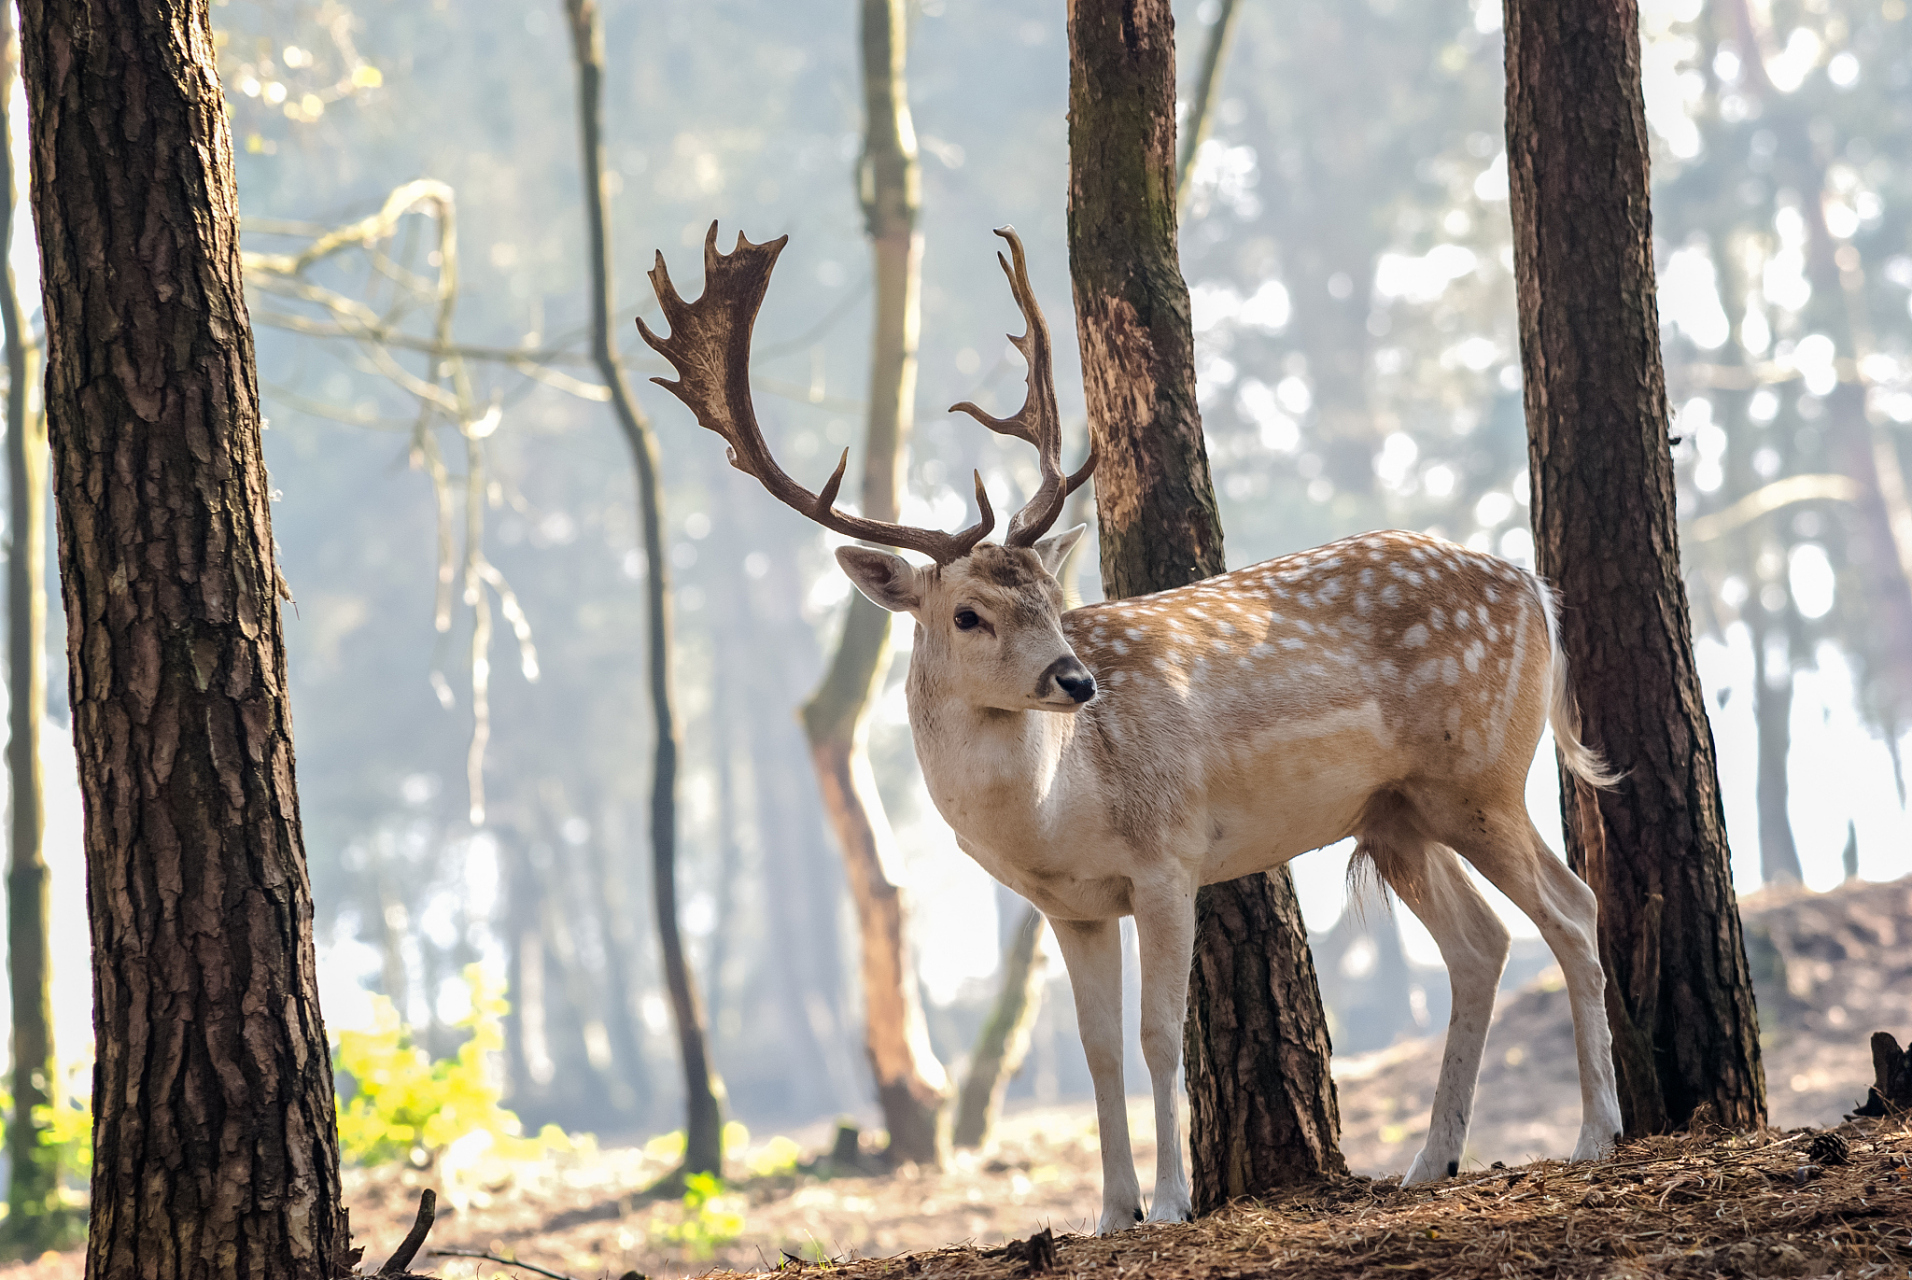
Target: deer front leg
x=1092, y=953
x=1165, y=931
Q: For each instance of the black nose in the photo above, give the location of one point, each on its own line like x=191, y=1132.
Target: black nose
x=1078, y=684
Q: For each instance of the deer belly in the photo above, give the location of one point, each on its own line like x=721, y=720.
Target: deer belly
x=1307, y=793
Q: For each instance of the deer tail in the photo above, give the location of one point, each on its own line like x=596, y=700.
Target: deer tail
x=1582, y=761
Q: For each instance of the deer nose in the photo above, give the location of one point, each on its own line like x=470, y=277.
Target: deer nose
x=1074, y=679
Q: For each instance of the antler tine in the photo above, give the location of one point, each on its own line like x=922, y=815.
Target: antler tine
x=709, y=346
x=1038, y=421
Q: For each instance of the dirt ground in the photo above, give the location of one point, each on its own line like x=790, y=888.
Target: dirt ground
x=1831, y=968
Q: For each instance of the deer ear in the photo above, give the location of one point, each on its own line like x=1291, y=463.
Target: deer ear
x=889, y=581
x=1055, y=548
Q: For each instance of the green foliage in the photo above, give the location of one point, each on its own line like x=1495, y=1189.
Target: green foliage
x=55, y=1220
x=708, y=1220
x=66, y=1126
x=404, y=1106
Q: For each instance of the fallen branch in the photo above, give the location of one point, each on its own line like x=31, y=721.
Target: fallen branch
x=399, y=1263
x=510, y=1262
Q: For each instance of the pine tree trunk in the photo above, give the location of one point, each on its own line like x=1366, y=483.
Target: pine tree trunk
x=1654, y=847
x=911, y=1086
x=703, y=1088
x=34, y=1219
x=1004, y=1040
x=1261, y=1103
x=215, y=1142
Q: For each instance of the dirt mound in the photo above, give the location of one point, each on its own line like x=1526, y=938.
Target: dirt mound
x=1828, y=969
x=1663, y=1207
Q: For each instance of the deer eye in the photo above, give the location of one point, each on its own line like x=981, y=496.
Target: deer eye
x=967, y=620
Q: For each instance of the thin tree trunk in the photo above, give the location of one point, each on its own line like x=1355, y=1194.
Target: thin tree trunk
x=703, y=1089
x=34, y=1218
x=1881, y=548
x=1208, y=88
x=1262, y=1109
x=631, y=1076
x=1004, y=1040
x=1772, y=717
x=215, y=1139
x=1654, y=847
x=911, y=1086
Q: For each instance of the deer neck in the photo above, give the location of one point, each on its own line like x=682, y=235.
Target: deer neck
x=997, y=777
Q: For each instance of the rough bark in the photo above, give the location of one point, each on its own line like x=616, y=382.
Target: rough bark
x=1654, y=847
x=1249, y=946
x=1003, y=1042
x=1160, y=529
x=703, y=1089
x=911, y=1086
x=215, y=1141
x=35, y=1221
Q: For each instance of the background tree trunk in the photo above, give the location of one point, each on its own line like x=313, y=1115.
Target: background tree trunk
x=1653, y=848
x=1004, y=1040
x=34, y=1218
x=703, y=1089
x=1262, y=1108
x=215, y=1142
x=911, y=1086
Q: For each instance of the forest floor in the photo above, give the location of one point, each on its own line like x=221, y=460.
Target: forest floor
x=1831, y=968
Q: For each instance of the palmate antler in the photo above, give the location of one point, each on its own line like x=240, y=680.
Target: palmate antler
x=709, y=346
x=1037, y=421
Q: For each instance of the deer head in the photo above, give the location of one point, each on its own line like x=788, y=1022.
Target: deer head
x=989, y=617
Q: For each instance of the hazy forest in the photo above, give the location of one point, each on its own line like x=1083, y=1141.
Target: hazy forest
x=732, y=995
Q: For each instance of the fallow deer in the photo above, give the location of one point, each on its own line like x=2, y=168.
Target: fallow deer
x=1109, y=760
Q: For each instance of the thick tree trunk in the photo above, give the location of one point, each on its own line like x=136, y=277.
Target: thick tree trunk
x=1268, y=1117
x=35, y=1221
x=215, y=1141
x=1004, y=1039
x=703, y=1089
x=1262, y=1110
x=1654, y=847
x=911, y=1086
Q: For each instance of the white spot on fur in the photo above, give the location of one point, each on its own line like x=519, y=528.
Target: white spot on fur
x=1120, y=648
x=1415, y=636
x=1437, y=619
x=1450, y=670
x=1391, y=595
x=1293, y=642
x=1262, y=650
x=1133, y=633
x=1472, y=656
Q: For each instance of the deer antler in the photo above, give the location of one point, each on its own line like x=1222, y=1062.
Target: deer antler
x=1038, y=421
x=709, y=346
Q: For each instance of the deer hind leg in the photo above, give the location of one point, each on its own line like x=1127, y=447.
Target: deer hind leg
x=1429, y=878
x=1514, y=857
x=1092, y=953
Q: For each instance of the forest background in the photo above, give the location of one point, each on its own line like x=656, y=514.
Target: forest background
x=473, y=792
